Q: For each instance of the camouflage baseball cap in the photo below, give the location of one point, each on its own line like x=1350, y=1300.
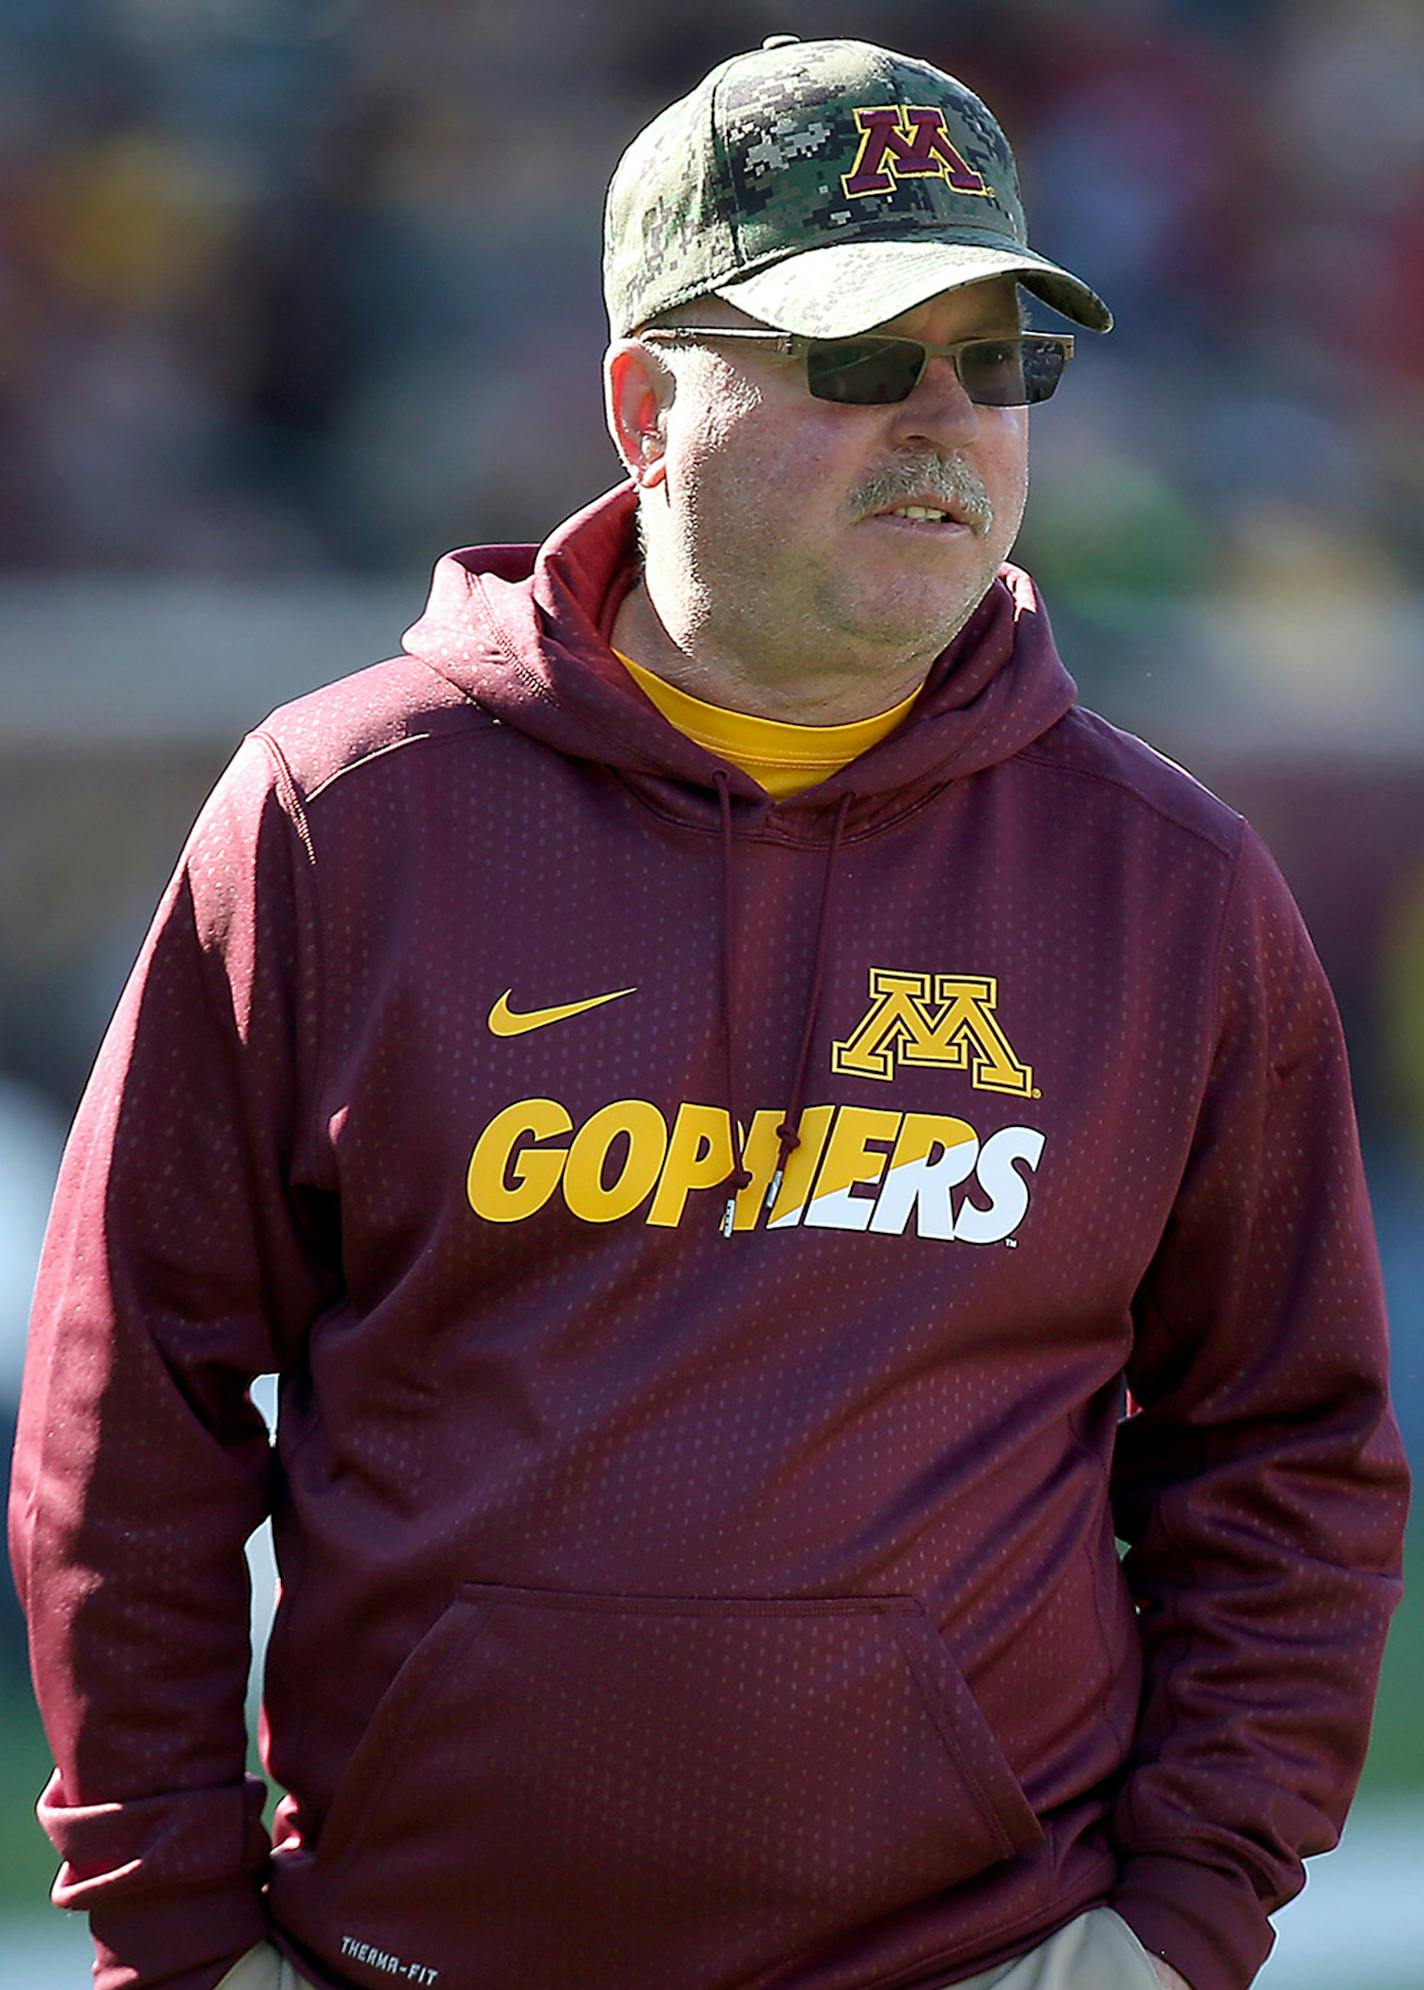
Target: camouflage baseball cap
x=823, y=187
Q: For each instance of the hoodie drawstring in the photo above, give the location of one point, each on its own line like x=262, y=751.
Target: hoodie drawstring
x=739, y=1176
x=787, y=1134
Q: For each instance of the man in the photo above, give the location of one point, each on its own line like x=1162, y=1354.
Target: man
x=705, y=1079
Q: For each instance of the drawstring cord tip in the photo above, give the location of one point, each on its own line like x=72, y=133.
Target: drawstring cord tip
x=739, y=1179
x=774, y=1188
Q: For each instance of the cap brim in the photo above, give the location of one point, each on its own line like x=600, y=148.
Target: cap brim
x=848, y=287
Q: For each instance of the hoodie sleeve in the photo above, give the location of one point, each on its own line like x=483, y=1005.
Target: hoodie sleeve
x=179, y=1263
x=1260, y=1483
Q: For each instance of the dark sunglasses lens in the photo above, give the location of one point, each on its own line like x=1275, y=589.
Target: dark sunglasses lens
x=997, y=373
x=865, y=371
x=1011, y=373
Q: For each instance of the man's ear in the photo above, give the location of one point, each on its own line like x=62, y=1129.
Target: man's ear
x=638, y=392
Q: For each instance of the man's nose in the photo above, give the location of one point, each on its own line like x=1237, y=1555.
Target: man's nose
x=937, y=410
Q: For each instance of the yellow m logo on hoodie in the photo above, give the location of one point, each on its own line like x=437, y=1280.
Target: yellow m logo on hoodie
x=942, y=1019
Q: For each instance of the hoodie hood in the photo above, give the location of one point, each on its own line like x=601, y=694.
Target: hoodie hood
x=524, y=631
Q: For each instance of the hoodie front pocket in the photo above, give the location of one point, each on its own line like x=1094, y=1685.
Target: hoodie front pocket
x=683, y=1791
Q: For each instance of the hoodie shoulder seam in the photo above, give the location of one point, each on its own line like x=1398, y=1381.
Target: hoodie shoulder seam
x=1220, y=845
x=293, y=805
x=384, y=751
x=288, y=792
x=376, y=753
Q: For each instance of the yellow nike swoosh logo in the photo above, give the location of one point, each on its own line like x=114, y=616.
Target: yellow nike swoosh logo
x=503, y=1021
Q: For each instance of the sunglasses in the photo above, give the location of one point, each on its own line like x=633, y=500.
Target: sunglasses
x=1016, y=372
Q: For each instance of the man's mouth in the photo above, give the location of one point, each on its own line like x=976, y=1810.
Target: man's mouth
x=923, y=517
x=951, y=500
x=926, y=511
x=928, y=496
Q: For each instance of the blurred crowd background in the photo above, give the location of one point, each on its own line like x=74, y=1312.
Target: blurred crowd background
x=297, y=294
x=295, y=285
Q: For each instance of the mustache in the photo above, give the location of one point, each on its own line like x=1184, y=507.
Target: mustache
x=945, y=480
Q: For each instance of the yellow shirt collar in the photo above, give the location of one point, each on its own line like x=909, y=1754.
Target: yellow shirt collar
x=781, y=757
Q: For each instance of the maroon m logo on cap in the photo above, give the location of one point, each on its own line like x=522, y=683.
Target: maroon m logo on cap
x=900, y=141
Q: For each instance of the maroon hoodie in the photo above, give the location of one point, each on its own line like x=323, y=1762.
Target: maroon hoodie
x=665, y=1609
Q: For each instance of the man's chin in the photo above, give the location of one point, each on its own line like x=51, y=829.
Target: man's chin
x=909, y=620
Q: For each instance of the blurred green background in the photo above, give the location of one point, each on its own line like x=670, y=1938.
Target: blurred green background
x=297, y=294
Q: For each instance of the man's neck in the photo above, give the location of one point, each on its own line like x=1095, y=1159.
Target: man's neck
x=706, y=670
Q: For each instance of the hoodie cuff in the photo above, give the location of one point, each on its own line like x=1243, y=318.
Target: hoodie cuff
x=1207, y=1923
x=185, y=1940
